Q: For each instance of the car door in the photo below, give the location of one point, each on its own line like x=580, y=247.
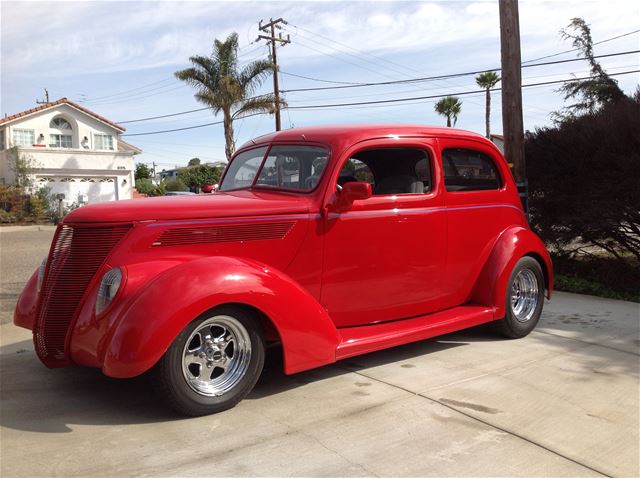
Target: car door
x=478, y=210
x=384, y=257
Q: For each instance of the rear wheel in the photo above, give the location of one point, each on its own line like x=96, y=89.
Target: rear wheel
x=213, y=363
x=525, y=297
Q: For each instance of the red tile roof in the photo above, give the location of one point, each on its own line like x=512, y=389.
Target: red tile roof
x=61, y=101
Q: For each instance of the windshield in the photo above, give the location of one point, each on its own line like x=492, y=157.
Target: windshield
x=288, y=167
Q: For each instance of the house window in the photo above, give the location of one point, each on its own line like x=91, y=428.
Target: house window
x=2, y=140
x=61, y=133
x=23, y=137
x=60, y=141
x=103, y=141
x=60, y=123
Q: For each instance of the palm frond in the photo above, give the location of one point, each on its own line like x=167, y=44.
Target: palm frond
x=258, y=104
x=252, y=75
x=487, y=80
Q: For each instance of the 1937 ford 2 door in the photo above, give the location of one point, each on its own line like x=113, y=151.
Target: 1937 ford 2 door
x=333, y=242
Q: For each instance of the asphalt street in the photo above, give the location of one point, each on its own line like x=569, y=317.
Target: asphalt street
x=562, y=402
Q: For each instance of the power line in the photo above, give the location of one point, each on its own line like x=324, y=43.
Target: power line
x=344, y=45
x=163, y=116
x=316, y=79
x=135, y=97
x=451, y=75
x=576, y=49
x=461, y=93
x=187, y=127
x=142, y=87
x=433, y=78
x=379, y=102
x=91, y=100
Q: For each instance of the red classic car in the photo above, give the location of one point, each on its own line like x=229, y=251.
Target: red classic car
x=332, y=242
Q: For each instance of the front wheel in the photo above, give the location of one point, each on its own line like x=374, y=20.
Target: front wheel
x=213, y=363
x=525, y=297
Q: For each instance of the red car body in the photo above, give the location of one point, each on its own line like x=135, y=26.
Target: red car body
x=328, y=280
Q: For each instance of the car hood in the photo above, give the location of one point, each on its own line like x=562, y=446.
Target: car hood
x=201, y=206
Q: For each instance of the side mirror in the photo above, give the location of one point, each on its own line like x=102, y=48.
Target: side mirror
x=353, y=191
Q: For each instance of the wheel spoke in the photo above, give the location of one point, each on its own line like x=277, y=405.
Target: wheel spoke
x=193, y=340
x=524, y=295
x=216, y=356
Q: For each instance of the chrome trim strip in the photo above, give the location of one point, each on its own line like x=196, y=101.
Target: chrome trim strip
x=243, y=220
x=428, y=210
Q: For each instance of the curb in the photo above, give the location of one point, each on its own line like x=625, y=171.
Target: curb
x=32, y=227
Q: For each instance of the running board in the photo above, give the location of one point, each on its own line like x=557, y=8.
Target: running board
x=369, y=338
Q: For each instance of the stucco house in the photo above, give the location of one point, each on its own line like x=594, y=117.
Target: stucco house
x=75, y=152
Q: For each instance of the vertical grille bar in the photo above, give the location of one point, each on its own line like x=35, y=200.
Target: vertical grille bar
x=75, y=258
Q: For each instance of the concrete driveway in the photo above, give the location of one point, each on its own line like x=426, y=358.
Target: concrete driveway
x=562, y=402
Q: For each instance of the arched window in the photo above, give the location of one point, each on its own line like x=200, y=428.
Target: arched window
x=59, y=123
x=61, y=134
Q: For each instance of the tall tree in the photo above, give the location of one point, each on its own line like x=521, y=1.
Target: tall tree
x=225, y=87
x=450, y=108
x=142, y=171
x=487, y=80
x=594, y=92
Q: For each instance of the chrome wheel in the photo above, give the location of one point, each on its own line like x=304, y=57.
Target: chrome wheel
x=524, y=295
x=216, y=356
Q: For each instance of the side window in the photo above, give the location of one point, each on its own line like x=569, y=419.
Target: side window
x=390, y=170
x=467, y=170
x=356, y=170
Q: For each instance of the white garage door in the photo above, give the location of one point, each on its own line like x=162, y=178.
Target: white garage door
x=81, y=190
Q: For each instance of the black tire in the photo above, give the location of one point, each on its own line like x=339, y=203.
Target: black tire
x=518, y=322
x=182, y=386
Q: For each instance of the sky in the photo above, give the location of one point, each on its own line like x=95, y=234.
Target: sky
x=118, y=58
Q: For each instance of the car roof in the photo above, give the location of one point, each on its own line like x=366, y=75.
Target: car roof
x=331, y=134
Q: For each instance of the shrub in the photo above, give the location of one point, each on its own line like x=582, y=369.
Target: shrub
x=175, y=185
x=583, y=180
x=145, y=186
x=199, y=175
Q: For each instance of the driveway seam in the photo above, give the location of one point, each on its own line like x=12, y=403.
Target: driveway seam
x=489, y=424
x=590, y=343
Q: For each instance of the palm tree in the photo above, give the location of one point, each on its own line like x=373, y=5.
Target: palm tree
x=224, y=87
x=450, y=107
x=488, y=80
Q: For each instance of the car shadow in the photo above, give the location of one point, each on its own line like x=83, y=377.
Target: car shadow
x=43, y=400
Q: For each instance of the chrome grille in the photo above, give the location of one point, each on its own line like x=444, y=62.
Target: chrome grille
x=76, y=256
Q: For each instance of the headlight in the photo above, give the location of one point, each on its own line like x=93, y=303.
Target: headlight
x=108, y=289
x=41, y=269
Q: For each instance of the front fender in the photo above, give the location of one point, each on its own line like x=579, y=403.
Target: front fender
x=513, y=244
x=146, y=329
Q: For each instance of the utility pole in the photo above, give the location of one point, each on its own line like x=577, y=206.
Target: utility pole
x=46, y=98
x=270, y=30
x=513, y=128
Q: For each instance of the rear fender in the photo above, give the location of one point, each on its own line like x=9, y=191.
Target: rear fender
x=513, y=244
x=146, y=329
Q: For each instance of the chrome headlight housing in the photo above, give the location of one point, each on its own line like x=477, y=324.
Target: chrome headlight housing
x=41, y=270
x=109, y=285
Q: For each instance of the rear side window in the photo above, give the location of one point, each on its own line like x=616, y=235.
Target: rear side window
x=468, y=170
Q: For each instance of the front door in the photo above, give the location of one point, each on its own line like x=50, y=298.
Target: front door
x=384, y=257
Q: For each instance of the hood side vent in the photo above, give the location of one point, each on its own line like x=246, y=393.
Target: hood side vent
x=225, y=233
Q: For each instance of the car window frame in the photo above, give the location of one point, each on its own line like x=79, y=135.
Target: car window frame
x=405, y=143
x=254, y=186
x=496, y=167
x=287, y=190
